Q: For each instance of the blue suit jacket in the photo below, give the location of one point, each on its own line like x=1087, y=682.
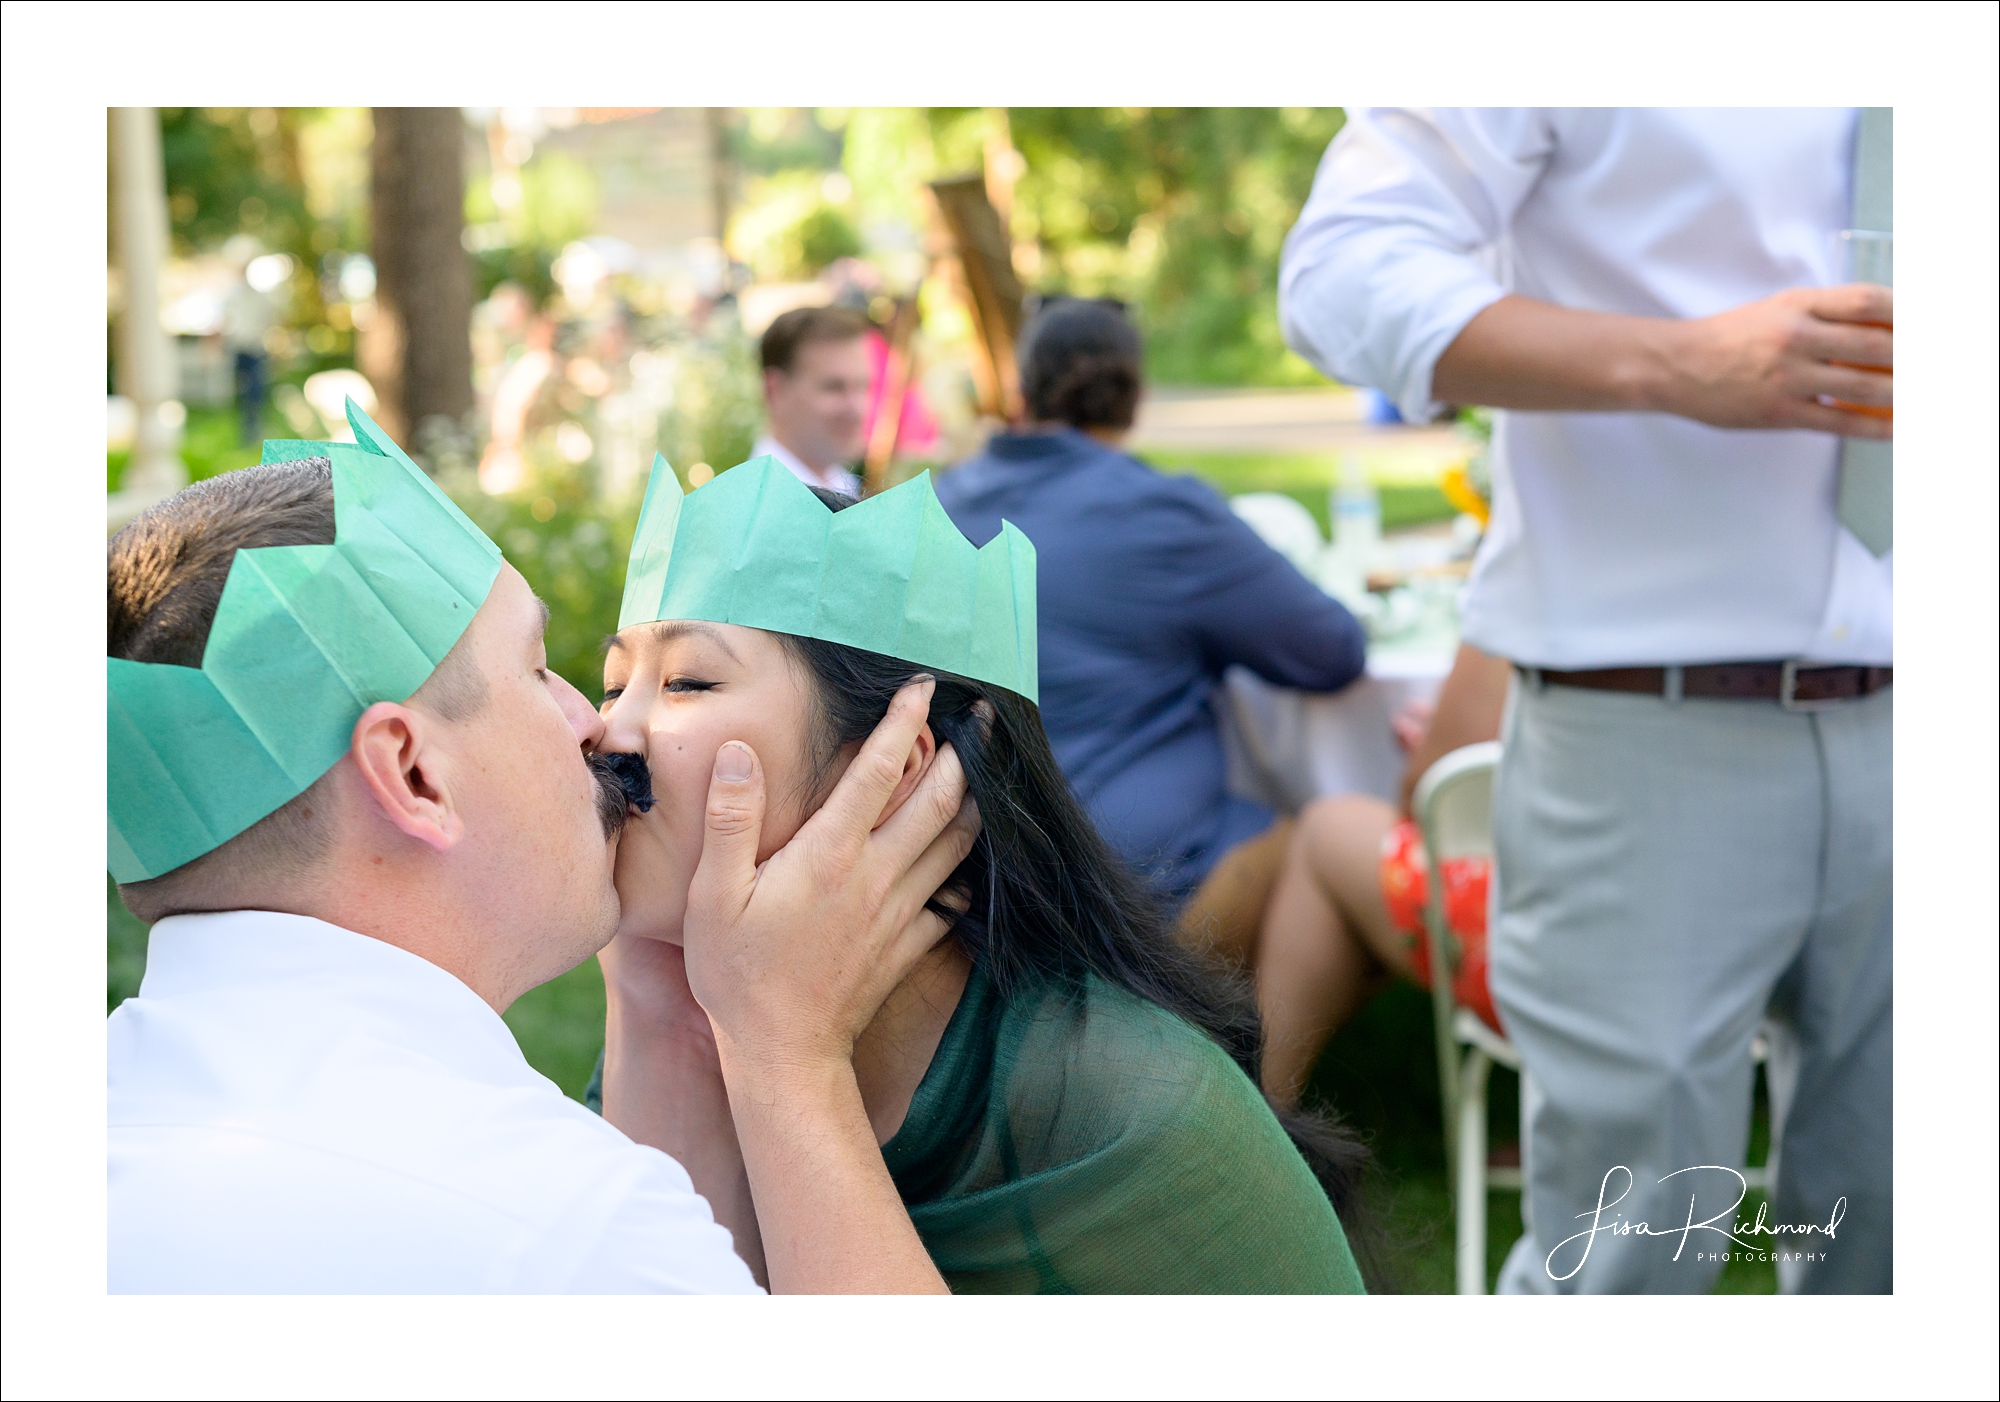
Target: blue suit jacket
x=1148, y=587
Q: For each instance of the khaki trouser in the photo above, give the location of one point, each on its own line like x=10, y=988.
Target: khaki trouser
x=1670, y=876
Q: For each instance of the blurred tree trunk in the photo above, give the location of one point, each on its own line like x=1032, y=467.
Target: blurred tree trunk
x=417, y=349
x=720, y=175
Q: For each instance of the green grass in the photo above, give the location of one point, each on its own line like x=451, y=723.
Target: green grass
x=560, y=1026
x=125, y=949
x=1306, y=478
x=1380, y=1072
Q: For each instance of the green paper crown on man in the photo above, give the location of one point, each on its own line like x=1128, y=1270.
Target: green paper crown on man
x=307, y=637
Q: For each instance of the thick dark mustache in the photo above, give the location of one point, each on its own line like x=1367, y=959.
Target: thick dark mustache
x=610, y=794
x=634, y=777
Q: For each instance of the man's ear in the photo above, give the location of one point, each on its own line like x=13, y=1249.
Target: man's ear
x=396, y=753
x=923, y=750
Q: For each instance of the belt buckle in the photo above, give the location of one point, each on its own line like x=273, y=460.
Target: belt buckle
x=1788, y=683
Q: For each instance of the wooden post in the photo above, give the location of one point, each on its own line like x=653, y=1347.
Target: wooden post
x=897, y=370
x=985, y=254
x=417, y=350
x=147, y=374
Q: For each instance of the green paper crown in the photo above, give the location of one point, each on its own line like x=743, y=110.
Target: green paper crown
x=306, y=637
x=892, y=575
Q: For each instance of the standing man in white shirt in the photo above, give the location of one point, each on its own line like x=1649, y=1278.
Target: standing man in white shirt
x=1691, y=571
x=817, y=378
x=366, y=817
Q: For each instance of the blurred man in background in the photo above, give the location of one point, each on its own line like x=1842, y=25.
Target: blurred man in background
x=817, y=375
x=1693, y=578
x=247, y=318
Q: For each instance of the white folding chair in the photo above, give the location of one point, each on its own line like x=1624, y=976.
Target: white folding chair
x=1453, y=805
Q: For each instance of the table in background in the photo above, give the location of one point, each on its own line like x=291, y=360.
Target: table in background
x=1288, y=747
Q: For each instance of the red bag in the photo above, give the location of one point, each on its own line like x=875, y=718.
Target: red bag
x=1467, y=881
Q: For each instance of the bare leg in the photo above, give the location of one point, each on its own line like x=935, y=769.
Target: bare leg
x=1326, y=942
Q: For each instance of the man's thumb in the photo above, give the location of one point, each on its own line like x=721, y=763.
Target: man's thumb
x=733, y=823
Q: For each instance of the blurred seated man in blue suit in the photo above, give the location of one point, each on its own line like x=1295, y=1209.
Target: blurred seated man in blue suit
x=1149, y=586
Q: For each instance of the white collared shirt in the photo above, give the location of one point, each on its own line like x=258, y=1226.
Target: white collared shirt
x=296, y=1108
x=834, y=479
x=1616, y=539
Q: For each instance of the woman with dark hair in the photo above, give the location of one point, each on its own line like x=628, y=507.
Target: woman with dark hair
x=1150, y=587
x=1065, y=1097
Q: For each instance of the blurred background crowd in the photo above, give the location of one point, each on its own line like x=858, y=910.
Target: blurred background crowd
x=616, y=267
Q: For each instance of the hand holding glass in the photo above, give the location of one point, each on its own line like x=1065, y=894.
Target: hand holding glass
x=1865, y=255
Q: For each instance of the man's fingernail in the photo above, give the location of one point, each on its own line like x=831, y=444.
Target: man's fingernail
x=733, y=764
x=924, y=679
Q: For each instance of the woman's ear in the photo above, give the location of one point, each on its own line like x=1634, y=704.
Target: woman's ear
x=396, y=755
x=923, y=750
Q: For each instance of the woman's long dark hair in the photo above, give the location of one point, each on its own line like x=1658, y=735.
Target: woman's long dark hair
x=1048, y=900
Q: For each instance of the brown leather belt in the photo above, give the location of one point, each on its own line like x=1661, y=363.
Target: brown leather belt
x=1787, y=683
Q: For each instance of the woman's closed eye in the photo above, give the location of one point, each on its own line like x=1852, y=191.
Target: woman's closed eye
x=687, y=684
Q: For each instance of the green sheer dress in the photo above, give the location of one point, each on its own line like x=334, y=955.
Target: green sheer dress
x=1093, y=1143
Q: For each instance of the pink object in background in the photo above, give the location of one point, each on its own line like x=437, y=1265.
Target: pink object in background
x=916, y=431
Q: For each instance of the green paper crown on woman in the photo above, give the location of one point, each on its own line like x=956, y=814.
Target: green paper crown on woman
x=305, y=638
x=891, y=575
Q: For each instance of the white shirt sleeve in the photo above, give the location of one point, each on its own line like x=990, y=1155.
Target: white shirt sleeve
x=1393, y=252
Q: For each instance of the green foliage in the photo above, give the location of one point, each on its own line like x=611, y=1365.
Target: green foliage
x=887, y=154
x=558, y=204
x=1183, y=210
x=533, y=268
x=237, y=170
x=718, y=400
x=570, y=545
x=825, y=236
x=231, y=169
x=768, y=140
x=788, y=229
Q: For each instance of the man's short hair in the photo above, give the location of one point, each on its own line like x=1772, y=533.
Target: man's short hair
x=802, y=326
x=164, y=578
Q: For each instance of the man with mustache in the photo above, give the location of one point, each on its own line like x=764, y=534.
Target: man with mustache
x=363, y=813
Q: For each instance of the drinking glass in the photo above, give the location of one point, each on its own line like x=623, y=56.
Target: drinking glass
x=1865, y=255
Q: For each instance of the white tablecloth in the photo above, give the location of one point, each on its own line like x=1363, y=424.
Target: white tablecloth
x=1287, y=747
